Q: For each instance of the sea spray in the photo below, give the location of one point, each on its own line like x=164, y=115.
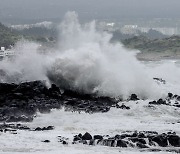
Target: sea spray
x=85, y=61
x=88, y=62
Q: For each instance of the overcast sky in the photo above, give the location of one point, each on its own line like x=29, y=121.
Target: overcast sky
x=36, y=9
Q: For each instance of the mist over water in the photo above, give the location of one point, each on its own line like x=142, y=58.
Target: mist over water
x=85, y=61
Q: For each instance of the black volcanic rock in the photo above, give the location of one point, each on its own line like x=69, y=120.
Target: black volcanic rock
x=98, y=137
x=133, y=97
x=174, y=140
x=161, y=140
x=121, y=143
x=86, y=136
x=158, y=102
x=25, y=99
x=136, y=139
x=46, y=141
x=149, y=140
x=170, y=95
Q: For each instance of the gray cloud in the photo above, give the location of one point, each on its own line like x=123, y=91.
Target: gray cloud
x=35, y=9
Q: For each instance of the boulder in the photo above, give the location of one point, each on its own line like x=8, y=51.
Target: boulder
x=174, y=140
x=86, y=136
x=98, y=137
x=161, y=140
x=121, y=143
x=133, y=97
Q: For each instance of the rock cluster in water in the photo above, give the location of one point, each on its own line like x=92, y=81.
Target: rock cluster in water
x=170, y=100
x=20, y=102
x=144, y=139
x=148, y=140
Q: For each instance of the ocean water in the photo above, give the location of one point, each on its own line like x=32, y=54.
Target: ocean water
x=86, y=61
x=140, y=117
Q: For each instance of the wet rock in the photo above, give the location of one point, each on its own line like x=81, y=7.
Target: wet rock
x=108, y=142
x=77, y=138
x=44, y=109
x=160, y=80
x=47, y=128
x=154, y=150
x=133, y=97
x=46, y=141
x=121, y=143
x=98, y=137
x=173, y=150
x=64, y=142
x=159, y=102
x=141, y=135
x=174, y=140
x=29, y=97
x=22, y=118
x=50, y=128
x=161, y=140
x=170, y=95
x=123, y=107
x=83, y=142
x=44, y=128
x=141, y=145
x=139, y=140
x=178, y=98
x=86, y=136
x=7, y=88
x=92, y=142
x=38, y=129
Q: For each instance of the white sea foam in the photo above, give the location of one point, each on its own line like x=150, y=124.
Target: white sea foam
x=67, y=124
x=86, y=61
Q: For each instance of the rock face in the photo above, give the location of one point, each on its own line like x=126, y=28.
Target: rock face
x=20, y=102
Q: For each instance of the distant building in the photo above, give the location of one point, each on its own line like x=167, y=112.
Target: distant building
x=134, y=29
x=129, y=29
x=6, y=53
x=164, y=30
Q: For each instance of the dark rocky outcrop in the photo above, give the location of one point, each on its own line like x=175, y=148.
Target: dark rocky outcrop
x=86, y=136
x=20, y=102
x=142, y=140
x=174, y=140
x=170, y=100
x=133, y=97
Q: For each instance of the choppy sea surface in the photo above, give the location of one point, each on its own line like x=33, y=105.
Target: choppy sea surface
x=67, y=124
x=86, y=60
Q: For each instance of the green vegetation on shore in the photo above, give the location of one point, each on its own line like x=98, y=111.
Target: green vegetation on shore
x=7, y=36
x=48, y=37
x=144, y=44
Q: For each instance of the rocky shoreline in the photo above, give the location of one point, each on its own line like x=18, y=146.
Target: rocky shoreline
x=143, y=140
x=21, y=102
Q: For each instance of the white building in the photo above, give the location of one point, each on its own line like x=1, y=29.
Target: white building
x=129, y=29
x=6, y=53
